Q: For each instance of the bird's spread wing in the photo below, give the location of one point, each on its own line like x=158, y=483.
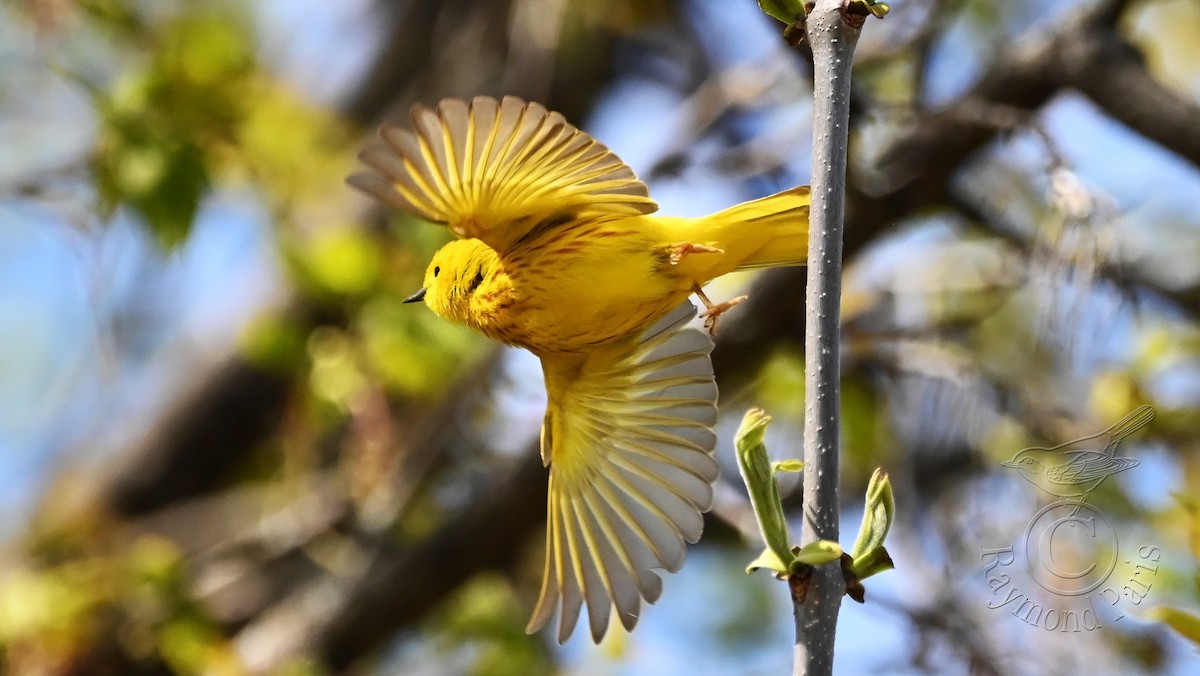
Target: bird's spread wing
x=495, y=170
x=1086, y=466
x=629, y=441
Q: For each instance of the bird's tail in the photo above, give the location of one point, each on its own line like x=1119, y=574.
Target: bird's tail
x=764, y=233
x=1139, y=418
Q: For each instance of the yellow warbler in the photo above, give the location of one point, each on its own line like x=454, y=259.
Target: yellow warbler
x=559, y=254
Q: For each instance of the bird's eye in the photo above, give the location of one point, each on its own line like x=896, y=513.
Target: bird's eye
x=476, y=282
x=436, y=270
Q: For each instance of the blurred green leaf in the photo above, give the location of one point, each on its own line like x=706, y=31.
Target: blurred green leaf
x=39, y=603
x=156, y=561
x=206, y=51
x=336, y=375
x=866, y=439
x=482, y=625
x=164, y=123
x=274, y=342
x=1187, y=624
x=781, y=380
x=412, y=350
x=343, y=261
x=192, y=645
x=170, y=206
x=296, y=151
x=115, y=15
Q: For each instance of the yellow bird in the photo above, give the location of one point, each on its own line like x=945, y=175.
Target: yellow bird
x=559, y=254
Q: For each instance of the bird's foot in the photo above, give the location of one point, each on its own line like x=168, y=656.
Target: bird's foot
x=676, y=252
x=713, y=311
x=1078, y=500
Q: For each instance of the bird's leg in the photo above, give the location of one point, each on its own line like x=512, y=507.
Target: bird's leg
x=1078, y=500
x=713, y=310
x=676, y=252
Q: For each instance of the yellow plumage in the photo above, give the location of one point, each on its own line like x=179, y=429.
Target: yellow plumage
x=559, y=254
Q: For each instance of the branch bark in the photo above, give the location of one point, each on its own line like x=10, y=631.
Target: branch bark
x=833, y=36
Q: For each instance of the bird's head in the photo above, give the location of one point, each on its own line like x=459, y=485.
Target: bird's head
x=1026, y=463
x=455, y=274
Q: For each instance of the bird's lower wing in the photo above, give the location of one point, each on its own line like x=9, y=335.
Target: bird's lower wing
x=629, y=441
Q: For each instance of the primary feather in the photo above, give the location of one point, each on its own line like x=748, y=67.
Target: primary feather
x=561, y=253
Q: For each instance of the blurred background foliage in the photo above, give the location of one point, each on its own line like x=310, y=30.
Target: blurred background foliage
x=227, y=447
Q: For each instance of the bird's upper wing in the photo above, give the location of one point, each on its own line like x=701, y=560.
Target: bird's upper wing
x=629, y=441
x=1085, y=466
x=495, y=170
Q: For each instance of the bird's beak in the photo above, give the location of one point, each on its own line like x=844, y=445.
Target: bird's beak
x=416, y=297
x=1010, y=463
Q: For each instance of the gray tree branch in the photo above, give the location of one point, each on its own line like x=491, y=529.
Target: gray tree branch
x=833, y=38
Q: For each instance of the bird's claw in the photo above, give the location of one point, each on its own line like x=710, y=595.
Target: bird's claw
x=715, y=311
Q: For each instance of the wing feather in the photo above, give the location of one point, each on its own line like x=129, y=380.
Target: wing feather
x=590, y=567
x=634, y=544
x=572, y=599
x=494, y=170
x=619, y=570
x=629, y=441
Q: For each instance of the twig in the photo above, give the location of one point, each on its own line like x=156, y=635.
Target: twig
x=833, y=37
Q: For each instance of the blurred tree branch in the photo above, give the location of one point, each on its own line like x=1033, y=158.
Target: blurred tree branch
x=1112, y=73
x=407, y=49
x=200, y=440
x=339, y=618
